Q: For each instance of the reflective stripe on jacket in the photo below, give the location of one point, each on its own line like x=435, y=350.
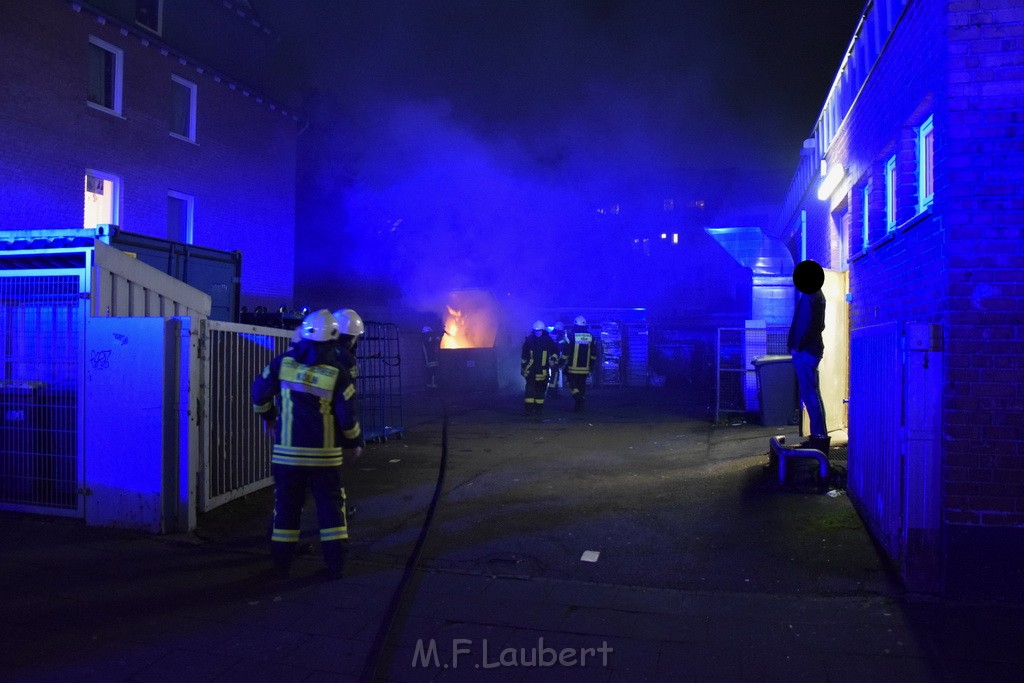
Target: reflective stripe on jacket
x=311, y=393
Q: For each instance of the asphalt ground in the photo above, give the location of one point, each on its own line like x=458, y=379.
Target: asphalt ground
x=634, y=541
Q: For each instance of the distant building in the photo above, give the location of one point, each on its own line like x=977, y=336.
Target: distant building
x=909, y=191
x=122, y=113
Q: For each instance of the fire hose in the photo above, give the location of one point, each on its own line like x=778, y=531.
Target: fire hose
x=376, y=652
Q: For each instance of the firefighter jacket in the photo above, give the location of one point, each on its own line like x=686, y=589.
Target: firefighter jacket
x=311, y=393
x=538, y=352
x=581, y=352
x=431, y=348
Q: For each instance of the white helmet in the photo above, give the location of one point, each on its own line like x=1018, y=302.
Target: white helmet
x=539, y=325
x=426, y=329
x=580, y=320
x=350, y=322
x=320, y=326
x=559, y=325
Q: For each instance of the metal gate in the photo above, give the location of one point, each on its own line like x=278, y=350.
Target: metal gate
x=235, y=450
x=237, y=457
x=874, y=476
x=42, y=312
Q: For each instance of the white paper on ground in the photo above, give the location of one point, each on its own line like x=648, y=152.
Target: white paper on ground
x=590, y=556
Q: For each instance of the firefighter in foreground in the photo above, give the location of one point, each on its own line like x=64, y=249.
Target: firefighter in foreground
x=540, y=352
x=580, y=356
x=306, y=398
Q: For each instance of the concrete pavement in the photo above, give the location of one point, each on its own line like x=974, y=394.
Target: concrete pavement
x=704, y=570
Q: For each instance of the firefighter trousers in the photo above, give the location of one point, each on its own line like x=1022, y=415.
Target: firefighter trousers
x=290, y=485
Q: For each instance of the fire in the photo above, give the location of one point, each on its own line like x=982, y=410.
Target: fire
x=470, y=323
x=454, y=331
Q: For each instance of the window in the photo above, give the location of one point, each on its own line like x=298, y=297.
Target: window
x=890, y=194
x=183, y=108
x=102, y=199
x=925, y=164
x=865, y=213
x=150, y=14
x=179, y=217
x=105, y=67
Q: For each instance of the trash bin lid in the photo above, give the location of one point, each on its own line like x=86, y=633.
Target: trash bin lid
x=766, y=360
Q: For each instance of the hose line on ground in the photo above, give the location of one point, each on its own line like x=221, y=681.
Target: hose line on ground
x=376, y=652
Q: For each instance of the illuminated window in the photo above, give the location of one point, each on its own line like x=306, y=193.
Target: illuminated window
x=890, y=194
x=183, y=109
x=180, y=209
x=102, y=199
x=865, y=213
x=149, y=13
x=105, y=69
x=925, y=164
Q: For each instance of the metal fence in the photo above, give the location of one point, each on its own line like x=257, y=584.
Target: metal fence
x=379, y=383
x=235, y=450
x=234, y=456
x=736, y=381
x=41, y=342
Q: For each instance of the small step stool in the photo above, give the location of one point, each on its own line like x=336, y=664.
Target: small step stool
x=778, y=454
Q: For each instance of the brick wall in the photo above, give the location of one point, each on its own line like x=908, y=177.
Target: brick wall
x=241, y=170
x=984, y=399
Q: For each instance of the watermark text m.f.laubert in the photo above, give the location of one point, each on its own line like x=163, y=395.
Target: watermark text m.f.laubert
x=426, y=655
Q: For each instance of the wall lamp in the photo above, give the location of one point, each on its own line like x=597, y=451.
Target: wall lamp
x=831, y=180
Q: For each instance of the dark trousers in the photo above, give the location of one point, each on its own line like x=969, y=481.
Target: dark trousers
x=578, y=386
x=290, y=485
x=805, y=365
x=535, y=391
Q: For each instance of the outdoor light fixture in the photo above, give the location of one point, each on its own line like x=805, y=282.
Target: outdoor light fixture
x=831, y=181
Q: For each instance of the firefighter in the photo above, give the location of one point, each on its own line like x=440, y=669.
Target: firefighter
x=431, y=354
x=539, y=353
x=580, y=357
x=306, y=398
x=557, y=378
x=351, y=329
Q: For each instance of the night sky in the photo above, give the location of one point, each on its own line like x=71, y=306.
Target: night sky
x=523, y=146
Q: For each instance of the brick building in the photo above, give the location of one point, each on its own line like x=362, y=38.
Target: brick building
x=908, y=192
x=144, y=115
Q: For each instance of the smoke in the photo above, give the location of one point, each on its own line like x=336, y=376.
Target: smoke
x=537, y=150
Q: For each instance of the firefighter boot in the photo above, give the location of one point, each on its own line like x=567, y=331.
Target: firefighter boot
x=334, y=557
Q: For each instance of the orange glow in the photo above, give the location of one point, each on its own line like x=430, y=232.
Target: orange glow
x=472, y=324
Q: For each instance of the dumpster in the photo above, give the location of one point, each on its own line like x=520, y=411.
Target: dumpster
x=776, y=390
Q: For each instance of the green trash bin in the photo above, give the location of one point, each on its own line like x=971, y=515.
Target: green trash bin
x=776, y=390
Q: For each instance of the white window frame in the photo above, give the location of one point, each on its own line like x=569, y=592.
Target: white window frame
x=865, y=215
x=925, y=165
x=193, y=96
x=115, y=182
x=890, y=194
x=190, y=207
x=159, y=18
x=118, y=79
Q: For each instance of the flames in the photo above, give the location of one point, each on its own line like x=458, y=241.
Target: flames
x=470, y=323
